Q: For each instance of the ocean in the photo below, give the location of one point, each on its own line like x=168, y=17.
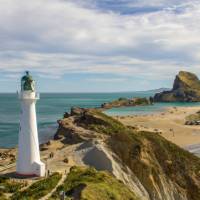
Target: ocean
x=51, y=107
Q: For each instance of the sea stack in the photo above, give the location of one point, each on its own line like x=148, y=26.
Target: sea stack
x=186, y=88
x=28, y=162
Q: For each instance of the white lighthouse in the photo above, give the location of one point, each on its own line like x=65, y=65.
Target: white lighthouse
x=28, y=162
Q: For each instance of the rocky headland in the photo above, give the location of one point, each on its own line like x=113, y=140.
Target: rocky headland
x=149, y=165
x=186, y=88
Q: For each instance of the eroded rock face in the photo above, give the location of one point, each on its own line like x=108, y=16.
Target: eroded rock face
x=186, y=88
x=71, y=127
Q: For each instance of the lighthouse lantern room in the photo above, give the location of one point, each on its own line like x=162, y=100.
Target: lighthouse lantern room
x=28, y=161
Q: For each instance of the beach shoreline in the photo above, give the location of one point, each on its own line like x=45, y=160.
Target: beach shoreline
x=170, y=124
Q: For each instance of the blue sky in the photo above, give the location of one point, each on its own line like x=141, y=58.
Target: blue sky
x=98, y=45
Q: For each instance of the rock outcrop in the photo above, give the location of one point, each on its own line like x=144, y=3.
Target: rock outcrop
x=156, y=168
x=193, y=119
x=125, y=102
x=186, y=88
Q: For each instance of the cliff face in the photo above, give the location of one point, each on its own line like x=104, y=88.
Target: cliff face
x=186, y=88
x=156, y=168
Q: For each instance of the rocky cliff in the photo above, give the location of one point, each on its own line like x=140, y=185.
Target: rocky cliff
x=152, y=167
x=186, y=88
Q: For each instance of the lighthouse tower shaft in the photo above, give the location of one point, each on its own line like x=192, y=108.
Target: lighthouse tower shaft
x=28, y=162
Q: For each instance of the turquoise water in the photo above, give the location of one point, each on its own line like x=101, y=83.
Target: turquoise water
x=51, y=107
x=142, y=110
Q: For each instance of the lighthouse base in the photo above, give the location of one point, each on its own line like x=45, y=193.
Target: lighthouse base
x=37, y=169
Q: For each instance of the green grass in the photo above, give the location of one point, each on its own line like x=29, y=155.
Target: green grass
x=38, y=189
x=9, y=186
x=99, y=122
x=89, y=184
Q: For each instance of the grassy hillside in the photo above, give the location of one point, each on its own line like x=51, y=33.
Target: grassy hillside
x=87, y=183
x=151, y=157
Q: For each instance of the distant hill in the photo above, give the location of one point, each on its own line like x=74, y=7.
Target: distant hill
x=158, y=90
x=186, y=88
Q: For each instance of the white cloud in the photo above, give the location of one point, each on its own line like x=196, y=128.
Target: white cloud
x=55, y=37
x=107, y=80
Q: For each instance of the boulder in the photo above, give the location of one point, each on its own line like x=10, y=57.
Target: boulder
x=77, y=111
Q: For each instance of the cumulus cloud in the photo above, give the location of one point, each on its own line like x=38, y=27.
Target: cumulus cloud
x=57, y=37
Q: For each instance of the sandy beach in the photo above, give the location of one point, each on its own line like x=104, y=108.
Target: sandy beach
x=170, y=124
